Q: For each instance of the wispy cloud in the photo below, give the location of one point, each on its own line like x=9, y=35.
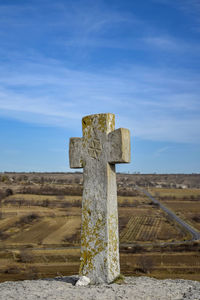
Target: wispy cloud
x=85, y=24
x=146, y=44
x=155, y=104
x=55, y=83
x=162, y=150
x=162, y=42
x=190, y=6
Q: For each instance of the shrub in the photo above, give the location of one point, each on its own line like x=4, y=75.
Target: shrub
x=145, y=264
x=31, y=273
x=74, y=238
x=12, y=270
x=28, y=219
x=8, y=192
x=156, y=205
x=196, y=218
x=137, y=249
x=25, y=256
x=2, y=195
x=53, y=190
x=3, y=236
x=76, y=203
x=45, y=203
x=4, y=178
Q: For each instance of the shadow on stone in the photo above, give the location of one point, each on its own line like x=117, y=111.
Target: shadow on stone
x=68, y=279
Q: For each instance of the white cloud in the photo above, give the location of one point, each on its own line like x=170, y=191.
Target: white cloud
x=162, y=150
x=154, y=104
x=162, y=42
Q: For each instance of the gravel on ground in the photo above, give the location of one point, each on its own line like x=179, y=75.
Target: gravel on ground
x=134, y=288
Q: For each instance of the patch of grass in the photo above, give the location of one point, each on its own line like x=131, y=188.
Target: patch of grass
x=145, y=264
x=120, y=279
x=175, y=194
x=12, y=269
x=3, y=236
x=25, y=256
x=28, y=219
x=58, y=227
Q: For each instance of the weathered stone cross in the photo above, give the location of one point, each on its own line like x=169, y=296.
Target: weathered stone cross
x=97, y=153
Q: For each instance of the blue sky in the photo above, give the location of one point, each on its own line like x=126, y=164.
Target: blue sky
x=61, y=60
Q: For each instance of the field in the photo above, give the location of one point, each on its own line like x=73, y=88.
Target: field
x=42, y=220
x=184, y=202
x=40, y=224
x=143, y=228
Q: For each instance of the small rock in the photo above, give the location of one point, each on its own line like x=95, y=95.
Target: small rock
x=83, y=280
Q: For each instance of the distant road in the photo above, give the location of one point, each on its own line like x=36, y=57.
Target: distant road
x=195, y=234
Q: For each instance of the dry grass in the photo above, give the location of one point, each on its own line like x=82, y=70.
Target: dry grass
x=146, y=224
x=177, y=193
x=146, y=228
x=162, y=265
x=30, y=197
x=138, y=220
x=54, y=262
x=45, y=231
x=58, y=225
x=184, y=202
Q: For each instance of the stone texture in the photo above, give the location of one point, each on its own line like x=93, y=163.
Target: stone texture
x=134, y=288
x=83, y=281
x=97, y=153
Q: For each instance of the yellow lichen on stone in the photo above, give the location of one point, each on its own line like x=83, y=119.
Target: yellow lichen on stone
x=86, y=122
x=87, y=126
x=113, y=243
x=91, y=243
x=82, y=163
x=103, y=123
x=99, y=232
x=111, y=122
x=106, y=122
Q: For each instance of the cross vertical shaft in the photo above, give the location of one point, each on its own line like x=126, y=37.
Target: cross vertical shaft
x=97, y=152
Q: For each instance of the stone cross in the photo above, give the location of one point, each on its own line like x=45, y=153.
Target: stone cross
x=97, y=152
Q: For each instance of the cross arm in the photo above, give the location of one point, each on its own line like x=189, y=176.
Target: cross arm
x=119, y=146
x=75, y=150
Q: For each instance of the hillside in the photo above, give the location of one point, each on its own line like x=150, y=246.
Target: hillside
x=40, y=224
